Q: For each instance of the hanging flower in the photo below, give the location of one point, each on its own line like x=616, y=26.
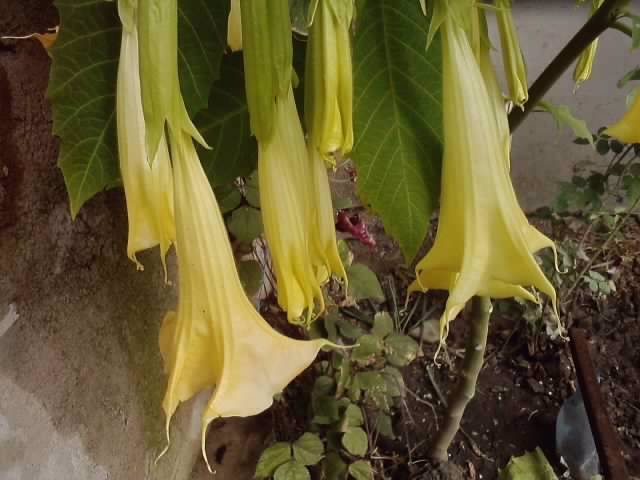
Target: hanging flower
x=323, y=225
x=284, y=175
x=484, y=243
x=148, y=187
x=234, y=27
x=514, y=67
x=328, y=77
x=584, y=66
x=217, y=338
x=627, y=129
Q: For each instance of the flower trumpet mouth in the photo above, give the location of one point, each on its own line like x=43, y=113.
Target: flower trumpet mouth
x=627, y=129
x=217, y=338
x=484, y=244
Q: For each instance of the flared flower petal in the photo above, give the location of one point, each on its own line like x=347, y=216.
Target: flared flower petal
x=148, y=187
x=484, y=242
x=284, y=174
x=217, y=338
x=627, y=129
x=329, y=79
x=234, y=27
x=323, y=225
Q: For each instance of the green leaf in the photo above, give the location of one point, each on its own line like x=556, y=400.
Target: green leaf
x=245, y=224
x=225, y=127
x=629, y=76
x=326, y=410
x=273, y=457
x=228, y=197
x=345, y=254
x=251, y=191
x=82, y=84
x=348, y=329
x=401, y=350
x=384, y=425
x=361, y=470
x=563, y=116
x=397, y=117
x=292, y=470
x=530, y=466
x=370, y=381
x=382, y=324
x=333, y=467
x=355, y=441
x=394, y=381
x=363, y=283
x=324, y=385
x=635, y=31
x=308, y=449
x=353, y=416
x=250, y=273
x=368, y=345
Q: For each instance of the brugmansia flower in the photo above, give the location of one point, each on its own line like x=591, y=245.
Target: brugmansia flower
x=514, y=67
x=162, y=101
x=328, y=78
x=234, y=27
x=484, y=243
x=294, y=190
x=284, y=174
x=217, y=338
x=627, y=129
x=584, y=66
x=323, y=227
x=148, y=187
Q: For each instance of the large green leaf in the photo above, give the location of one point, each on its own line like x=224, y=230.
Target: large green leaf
x=82, y=84
x=397, y=117
x=225, y=126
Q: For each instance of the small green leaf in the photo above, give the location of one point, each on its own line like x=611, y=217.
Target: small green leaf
x=292, y=470
x=330, y=325
x=382, y=324
x=384, y=425
x=345, y=254
x=271, y=458
x=371, y=381
x=363, y=283
x=326, y=410
x=333, y=467
x=563, y=116
x=394, y=381
x=228, y=197
x=308, y=449
x=343, y=377
x=353, y=416
x=401, y=350
x=630, y=76
x=250, y=273
x=368, y=345
x=252, y=192
x=355, y=441
x=533, y=465
x=635, y=31
x=348, y=329
x=245, y=224
x=361, y=470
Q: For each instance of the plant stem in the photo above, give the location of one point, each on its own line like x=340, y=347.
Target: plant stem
x=622, y=27
x=466, y=389
x=603, y=18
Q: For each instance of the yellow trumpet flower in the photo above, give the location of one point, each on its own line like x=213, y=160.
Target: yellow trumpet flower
x=323, y=227
x=627, y=129
x=234, y=27
x=283, y=175
x=584, y=66
x=217, y=338
x=514, y=67
x=148, y=188
x=484, y=243
x=329, y=83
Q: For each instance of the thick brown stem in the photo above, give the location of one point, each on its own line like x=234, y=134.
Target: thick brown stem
x=466, y=389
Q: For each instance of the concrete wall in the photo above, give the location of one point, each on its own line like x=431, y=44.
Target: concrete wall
x=541, y=153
